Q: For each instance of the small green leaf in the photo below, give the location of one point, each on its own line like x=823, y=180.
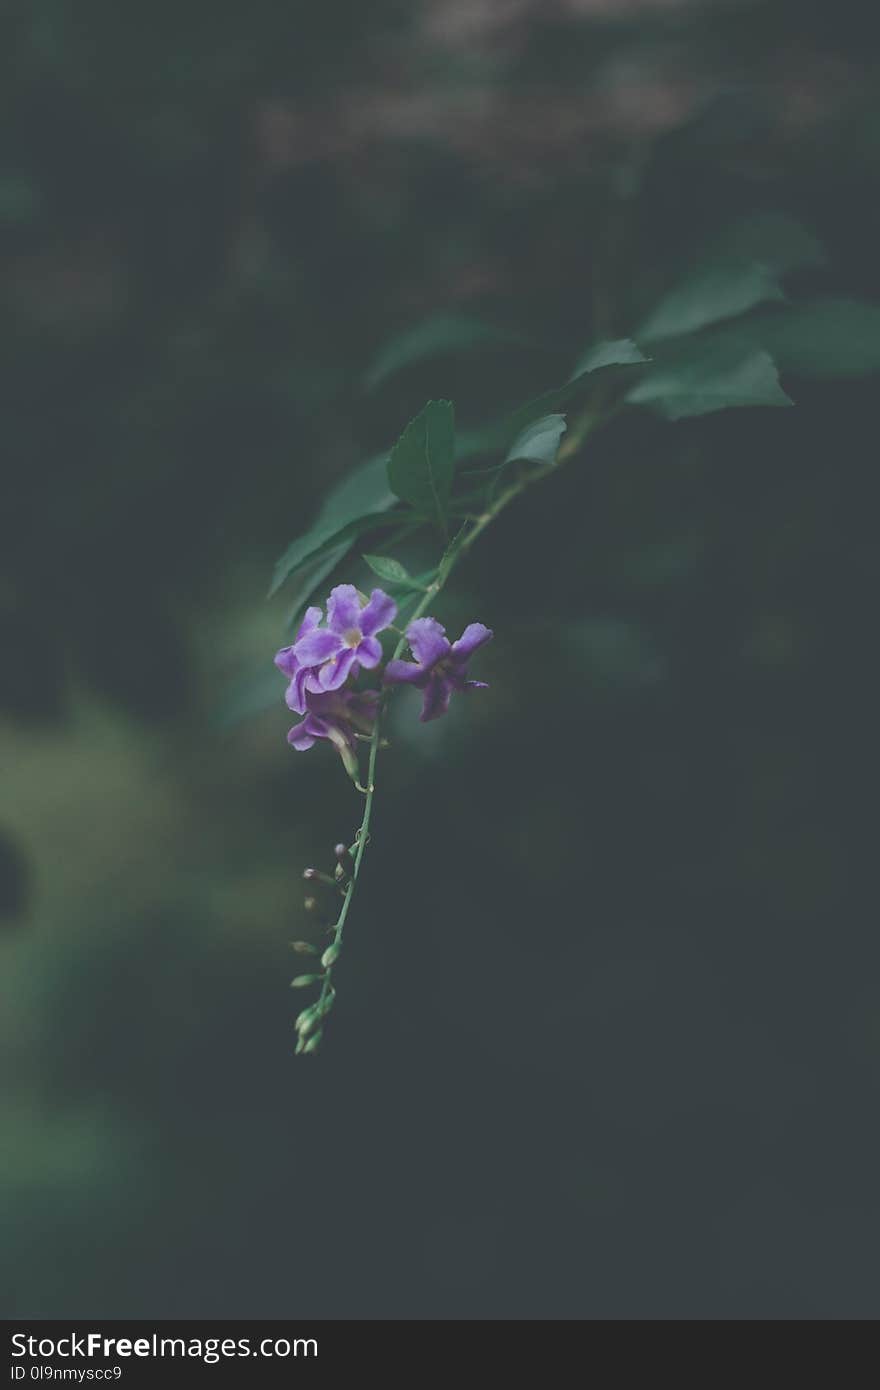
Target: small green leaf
x=434, y=336
x=501, y=433
x=712, y=292
x=539, y=442
x=697, y=383
x=392, y=571
x=623, y=352
x=422, y=461
x=360, y=497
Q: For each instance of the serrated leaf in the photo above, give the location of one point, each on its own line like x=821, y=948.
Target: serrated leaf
x=439, y=334
x=709, y=294
x=622, y=352
x=363, y=493
x=422, y=462
x=539, y=442
x=392, y=571
x=702, y=381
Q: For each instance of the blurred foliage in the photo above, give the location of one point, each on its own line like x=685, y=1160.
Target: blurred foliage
x=632, y=1060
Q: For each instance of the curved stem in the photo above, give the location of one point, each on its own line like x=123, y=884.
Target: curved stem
x=585, y=425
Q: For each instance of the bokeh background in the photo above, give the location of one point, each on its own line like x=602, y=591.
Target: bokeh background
x=607, y=1041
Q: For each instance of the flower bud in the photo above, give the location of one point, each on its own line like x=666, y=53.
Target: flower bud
x=307, y=1020
x=332, y=954
x=302, y=981
x=315, y=876
x=344, y=860
x=314, y=1042
x=315, y=908
x=304, y=948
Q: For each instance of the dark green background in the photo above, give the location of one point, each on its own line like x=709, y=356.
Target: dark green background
x=607, y=1040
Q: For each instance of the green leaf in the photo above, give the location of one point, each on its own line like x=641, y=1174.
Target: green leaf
x=364, y=493
x=711, y=378
x=623, y=352
x=777, y=241
x=392, y=571
x=712, y=292
x=434, y=336
x=361, y=492
x=501, y=433
x=828, y=338
x=316, y=570
x=422, y=461
x=539, y=442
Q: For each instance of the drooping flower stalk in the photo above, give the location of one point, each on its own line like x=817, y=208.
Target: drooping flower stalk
x=439, y=670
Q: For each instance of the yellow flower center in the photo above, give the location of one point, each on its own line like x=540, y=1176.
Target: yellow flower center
x=353, y=637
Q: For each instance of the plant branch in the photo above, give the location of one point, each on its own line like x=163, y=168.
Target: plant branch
x=586, y=424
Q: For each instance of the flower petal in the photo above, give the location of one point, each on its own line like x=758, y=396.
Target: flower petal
x=295, y=695
x=335, y=673
x=300, y=738
x=316, y=647
x=436, y=701
x=378, y=614
x=428, y=641
x=369, y=652
x=286, y=661
x=406, y=671
x=311, y=619
x=343, y=609
x=474, y=636
x=476, y=685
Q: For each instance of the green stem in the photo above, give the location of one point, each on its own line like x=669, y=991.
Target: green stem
x=585, y=425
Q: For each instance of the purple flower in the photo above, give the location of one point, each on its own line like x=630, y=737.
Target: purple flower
x=440, y=666
x=349, y=641
x=287, y=662
x=337, y=715
x=322, y=659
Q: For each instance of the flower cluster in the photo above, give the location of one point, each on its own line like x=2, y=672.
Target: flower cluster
x=327, y=657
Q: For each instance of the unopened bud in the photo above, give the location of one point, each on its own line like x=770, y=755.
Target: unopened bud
x=313, y=1043
x=307, y=1020
x=314, y=908
x=302, y=981
x=344, y=860
x=331, y=955
x=304, y=948
x=315, y=876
